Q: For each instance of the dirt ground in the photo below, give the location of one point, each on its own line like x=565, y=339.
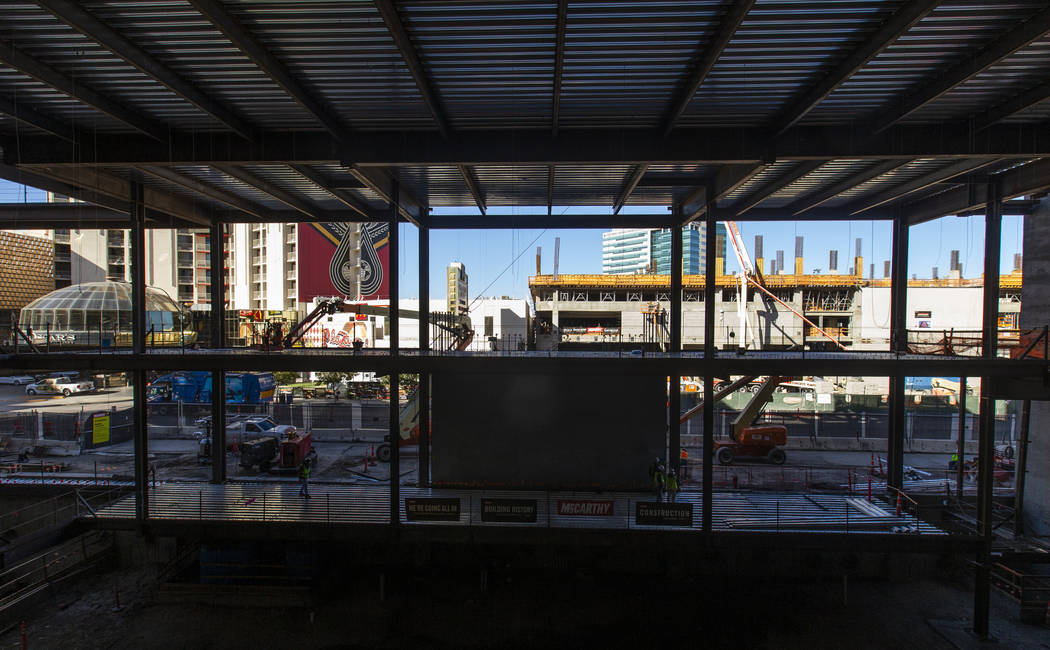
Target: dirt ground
x=532, y=610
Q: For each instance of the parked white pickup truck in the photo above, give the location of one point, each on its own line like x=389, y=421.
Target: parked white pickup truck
x=60, y=386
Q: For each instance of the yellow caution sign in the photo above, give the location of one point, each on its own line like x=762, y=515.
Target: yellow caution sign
x=100, y=429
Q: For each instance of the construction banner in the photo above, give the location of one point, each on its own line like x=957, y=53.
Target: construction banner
x=509, y=510
x=655, y=513
x=326, y=260
x=432, y=509
x=585, y=508
x=99, y=429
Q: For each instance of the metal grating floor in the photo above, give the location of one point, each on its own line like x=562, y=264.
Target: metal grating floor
x=369, y=504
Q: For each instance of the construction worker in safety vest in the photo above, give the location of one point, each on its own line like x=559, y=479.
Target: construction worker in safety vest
x=656, y=475
x=954, y=462
x=671, y=482
x=683, y=458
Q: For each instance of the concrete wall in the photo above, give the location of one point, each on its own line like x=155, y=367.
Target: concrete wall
x=1035, y=312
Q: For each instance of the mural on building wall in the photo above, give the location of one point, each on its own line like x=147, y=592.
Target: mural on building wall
x=325, y=256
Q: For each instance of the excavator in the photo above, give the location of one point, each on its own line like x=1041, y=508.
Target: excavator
x=748, y=442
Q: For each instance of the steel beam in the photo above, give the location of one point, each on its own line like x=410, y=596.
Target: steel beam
x=270, y=65
x=19, y=60
x=709, y=54
x=917, y=184
x=228, y=198
x=38, y=120
x=961, y=440
x=393, y=327
x=423, y=473
x=559, y=65
x=1019, y=102
x=676, y=287
x=755, y=199
x=822, y=196
x=709, y=353
x=629, y=184
x=967, y=68
x=550, y=189
x=86, y=23
x=471, y=180
x=141, y=450
x=381, y=182
x=1030, y=178
x=218, y=426
x=502, y=221
x=986, y=441
x=888, y=32
x=403, y=42
x=898, y=344
x=1021, y=469
x=19, y=216
x=266, y=187
x=138, y=342
x=634, y=146
x=380, y=362
x=347, y=199
x=138, y=267
x=726, y=180
x=218, y=284
x=108, y=190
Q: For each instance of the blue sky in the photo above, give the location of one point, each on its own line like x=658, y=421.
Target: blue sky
x=489, y=254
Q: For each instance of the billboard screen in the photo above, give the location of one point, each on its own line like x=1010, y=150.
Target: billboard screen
x=324, y=257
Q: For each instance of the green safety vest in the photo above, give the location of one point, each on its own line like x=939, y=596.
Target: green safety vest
x=304, y=471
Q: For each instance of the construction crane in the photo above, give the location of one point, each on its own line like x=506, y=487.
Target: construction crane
x=750, y=275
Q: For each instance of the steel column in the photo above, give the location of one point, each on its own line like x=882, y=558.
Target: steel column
x=676, y=285
x=986, y=441
x=218, y=285
x=394, y=334
x=138, y=268
x=138, y=383
x=899, y=344
x=1021, y=468
x=218, y=426
x=138, y=340
x=709, y=353
x=423, y=473
x=962, y=439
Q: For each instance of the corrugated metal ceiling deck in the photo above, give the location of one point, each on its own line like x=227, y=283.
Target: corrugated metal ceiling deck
x=415, y=66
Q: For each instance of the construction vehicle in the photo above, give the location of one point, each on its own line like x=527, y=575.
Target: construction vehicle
x=748, y=442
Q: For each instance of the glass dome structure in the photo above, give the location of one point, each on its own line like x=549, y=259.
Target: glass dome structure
x=94, y=311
